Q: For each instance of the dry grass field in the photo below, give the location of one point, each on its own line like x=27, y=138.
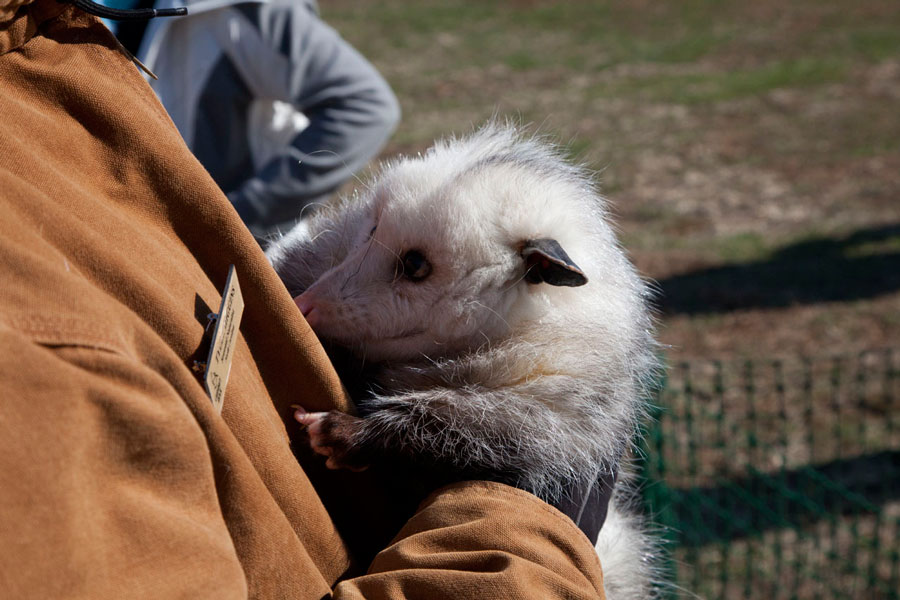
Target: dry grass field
x=750, y=150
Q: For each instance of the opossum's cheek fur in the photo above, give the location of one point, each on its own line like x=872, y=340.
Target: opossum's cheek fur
x=368, y=328
x=410, y=346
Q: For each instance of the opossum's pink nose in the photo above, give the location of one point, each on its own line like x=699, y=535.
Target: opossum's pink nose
x=307, y=307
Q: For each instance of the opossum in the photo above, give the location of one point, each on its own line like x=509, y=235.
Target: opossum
x=507, y=335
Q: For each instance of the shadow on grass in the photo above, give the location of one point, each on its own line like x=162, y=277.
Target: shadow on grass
x=758, y=502
x=864, y=264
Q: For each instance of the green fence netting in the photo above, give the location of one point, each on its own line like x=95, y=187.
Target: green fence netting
x=778, y=479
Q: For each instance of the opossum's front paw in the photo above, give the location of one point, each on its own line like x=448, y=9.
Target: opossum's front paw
x=331, y=435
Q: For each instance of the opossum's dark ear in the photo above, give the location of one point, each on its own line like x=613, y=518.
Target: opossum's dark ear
x=547, y=262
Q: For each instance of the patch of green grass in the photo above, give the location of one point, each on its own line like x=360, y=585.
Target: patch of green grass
x=570, y=15
x=876, y=44
x=690, y=47
x=703, y=88
x=888, y=245
x=521, y=60
x=743, y=248
x=594, y=35
x=739, y=248
x=874, y=147
x=576, y=149
x=413, y=18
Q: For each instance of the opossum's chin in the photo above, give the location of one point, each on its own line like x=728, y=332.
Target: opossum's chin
x=405, y=349
x=411, y=345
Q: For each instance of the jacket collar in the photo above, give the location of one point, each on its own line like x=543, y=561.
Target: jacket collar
x=20, y=19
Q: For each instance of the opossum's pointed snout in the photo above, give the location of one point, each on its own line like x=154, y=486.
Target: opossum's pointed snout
x=307, y=306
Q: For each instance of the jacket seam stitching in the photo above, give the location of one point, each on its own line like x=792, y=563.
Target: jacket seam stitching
x=65, y=331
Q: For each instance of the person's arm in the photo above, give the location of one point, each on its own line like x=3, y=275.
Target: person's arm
x=109, y=491
x=351, y=110
x=482, y=540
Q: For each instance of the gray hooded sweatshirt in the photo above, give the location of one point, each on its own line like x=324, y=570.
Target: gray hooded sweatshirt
x=272, y=101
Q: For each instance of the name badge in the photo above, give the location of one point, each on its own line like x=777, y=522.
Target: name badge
x=224, y=337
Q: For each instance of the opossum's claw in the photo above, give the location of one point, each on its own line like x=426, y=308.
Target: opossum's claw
x=313, y=424
x=307, y=419
x=330, y=435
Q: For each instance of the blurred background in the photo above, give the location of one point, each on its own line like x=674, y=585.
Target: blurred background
x=751, y=151
x=751, y=155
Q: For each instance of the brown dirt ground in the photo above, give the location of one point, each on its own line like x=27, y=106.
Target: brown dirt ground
x=781, y=132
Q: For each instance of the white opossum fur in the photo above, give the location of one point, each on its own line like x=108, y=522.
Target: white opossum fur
x=480, y=365
x=630, y=550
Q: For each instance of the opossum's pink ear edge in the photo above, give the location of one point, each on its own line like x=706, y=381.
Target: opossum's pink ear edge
x=547, y=262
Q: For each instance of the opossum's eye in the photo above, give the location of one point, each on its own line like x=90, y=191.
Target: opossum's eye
x=372, y=232
x=414, y=266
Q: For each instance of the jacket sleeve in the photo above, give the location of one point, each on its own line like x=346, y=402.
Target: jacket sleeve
x=350, y=107
x=483, y=540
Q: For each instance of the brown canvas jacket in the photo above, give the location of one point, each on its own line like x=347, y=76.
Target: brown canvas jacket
x=118, y=479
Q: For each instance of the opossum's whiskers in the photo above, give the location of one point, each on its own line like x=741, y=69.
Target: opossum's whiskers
x=310, y=206
x=273, y=236
x=396, y=255
x=321, y=233
x=487, y=340
x=351, y=276
x=359, y=265
x=499, y=316
x=388, y=248
x=434, y=362
x=362, y=362
x=346, y=166
x=516, y=282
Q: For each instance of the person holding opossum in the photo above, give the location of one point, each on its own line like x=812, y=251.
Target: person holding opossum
x=120, y=478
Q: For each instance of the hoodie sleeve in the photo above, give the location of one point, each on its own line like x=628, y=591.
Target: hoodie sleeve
x=350, y=108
